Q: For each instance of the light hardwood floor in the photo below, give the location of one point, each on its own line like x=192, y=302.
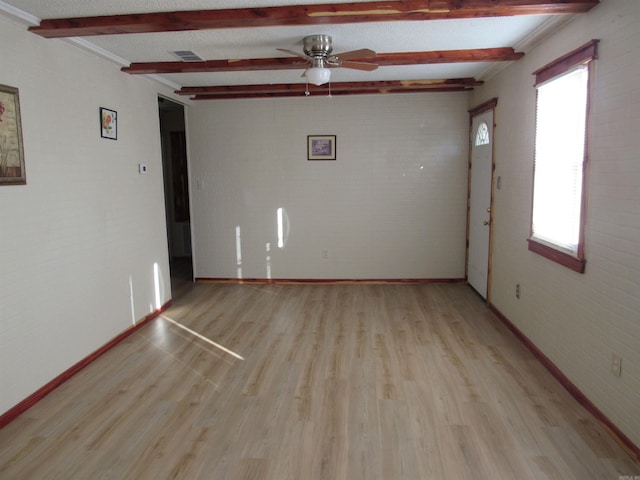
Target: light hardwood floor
x=316, y=382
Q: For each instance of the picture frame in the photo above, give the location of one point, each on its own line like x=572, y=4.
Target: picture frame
x=321, y=147
x=108, y=123
x=12, y=171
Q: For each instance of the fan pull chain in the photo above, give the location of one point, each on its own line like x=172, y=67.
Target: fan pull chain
x=330, y=90
x=306, y=91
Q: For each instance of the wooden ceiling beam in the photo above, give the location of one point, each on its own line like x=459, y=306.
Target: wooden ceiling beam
x=293, y=15
x=340, y=88
x=252, y=64
x=374, y=85
x=326, y=93
x=503, y=54
x=293, y=63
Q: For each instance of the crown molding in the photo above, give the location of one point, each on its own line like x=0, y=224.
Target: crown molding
x=121, y=62
x=18, y=15
x=96, y=50
x=26, y=19
x=547, y=28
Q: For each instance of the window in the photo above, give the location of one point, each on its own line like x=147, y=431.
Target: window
x=482, y=135
x=561, y=152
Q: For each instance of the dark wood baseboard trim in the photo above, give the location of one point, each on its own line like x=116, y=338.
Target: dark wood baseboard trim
x=42, y=392
x=631, y=448
x=330, y=281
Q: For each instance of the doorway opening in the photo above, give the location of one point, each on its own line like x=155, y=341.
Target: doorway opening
x=176, y=194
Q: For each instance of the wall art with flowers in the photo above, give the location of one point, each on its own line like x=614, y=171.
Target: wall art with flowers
x=108, y=123
x=11, y=151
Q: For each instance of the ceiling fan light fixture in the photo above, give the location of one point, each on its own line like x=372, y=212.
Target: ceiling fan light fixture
x=317, y=51
x=318, y=75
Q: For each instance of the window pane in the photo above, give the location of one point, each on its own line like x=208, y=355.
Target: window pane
x=482, y=135
x=560, y=139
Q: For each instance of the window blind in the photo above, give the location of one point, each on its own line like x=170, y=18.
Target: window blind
x=559, y=156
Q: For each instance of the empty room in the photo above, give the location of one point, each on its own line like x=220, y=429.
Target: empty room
x=304, y=240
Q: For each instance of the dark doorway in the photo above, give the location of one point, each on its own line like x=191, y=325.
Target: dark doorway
x=176, y=193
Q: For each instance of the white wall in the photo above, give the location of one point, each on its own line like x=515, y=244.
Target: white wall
x=87, y=228
x=393, y=204
x=577, y=320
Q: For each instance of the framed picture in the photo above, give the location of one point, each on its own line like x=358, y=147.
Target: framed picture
x=321, y=147
x=108, y=123
x=11, y=152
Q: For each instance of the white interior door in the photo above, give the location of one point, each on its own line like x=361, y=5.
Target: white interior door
x=480, y=201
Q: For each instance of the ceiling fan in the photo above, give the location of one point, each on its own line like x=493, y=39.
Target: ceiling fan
x=317, y=51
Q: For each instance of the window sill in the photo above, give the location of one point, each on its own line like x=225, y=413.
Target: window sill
x=573, y=263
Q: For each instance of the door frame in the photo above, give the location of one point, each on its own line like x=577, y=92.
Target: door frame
x=482, y=108
x=168, y=104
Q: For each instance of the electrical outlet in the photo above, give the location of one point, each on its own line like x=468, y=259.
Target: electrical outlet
x=616, y=365
x=325, y=253
x=517, y=290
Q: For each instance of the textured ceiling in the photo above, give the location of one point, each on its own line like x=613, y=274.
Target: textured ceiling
x=247, y=43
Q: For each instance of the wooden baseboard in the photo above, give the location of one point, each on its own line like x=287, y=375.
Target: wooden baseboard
x=626, y=443
x=42, y=392
x=330, y=281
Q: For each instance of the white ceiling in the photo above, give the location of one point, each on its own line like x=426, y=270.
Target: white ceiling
x=246, y=43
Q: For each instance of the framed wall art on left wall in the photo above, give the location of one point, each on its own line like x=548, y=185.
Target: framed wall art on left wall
x=12, y=170
x=108, y=123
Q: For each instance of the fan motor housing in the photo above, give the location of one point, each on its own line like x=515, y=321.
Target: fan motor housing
x=317, y=45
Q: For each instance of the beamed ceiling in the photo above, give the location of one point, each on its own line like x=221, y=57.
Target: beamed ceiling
x=420, y=45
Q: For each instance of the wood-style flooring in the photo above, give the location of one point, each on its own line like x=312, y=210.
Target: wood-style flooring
x=306, y=382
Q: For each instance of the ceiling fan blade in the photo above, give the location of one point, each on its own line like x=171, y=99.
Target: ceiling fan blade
x=358, y=54
x=359, y=66
x=291, y=52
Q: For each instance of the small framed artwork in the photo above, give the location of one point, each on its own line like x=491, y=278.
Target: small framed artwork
x=321, y=147
x=108, y=123
x=11, y=151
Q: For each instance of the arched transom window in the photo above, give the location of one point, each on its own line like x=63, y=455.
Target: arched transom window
x=482, y=135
